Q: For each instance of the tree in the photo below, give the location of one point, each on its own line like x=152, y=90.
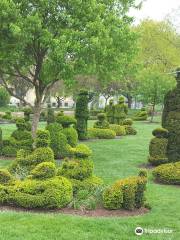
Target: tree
x=4, y=97
x=45, y=41
x=153, y=85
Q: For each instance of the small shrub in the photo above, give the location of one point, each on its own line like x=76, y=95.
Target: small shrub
x=130, y=130
x=48, y=194
x=42, y=138
x=66, y=121
x=142, y=115
x=76, y=169
x=160, y=133
x=113, y=198
x=128, y=122
x=4, y=97
x=81, y=151
x=143, y=173
x=7, y=116
x=9, y=151
x=158, y=151
x=27, y=112
x=101, y=133
x=1, y=141
x=118, y=129
x=101, y=123
x=43, y=154
x=168, y=173
x=50, y=115
x=71, y=135
x=44, y=170
x=21, y=124
x=5, y=177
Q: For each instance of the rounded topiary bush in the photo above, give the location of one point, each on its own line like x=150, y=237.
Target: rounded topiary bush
x=113, y=198
x=44, y=170
x=101, y=133
x=42, y=138
x=76, y=169
x=118, y=129
x=43, y=154
x=101, y=123
x=128, y=122
x=160, y=133
x=130, y=130
x=5, y=176
x=81, y=151
x=51, y=193
x=168, y=173
x=9, y=151
x=71, y=135
x=66, y=121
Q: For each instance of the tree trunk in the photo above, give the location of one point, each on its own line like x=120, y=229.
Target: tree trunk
x=129, y=97
x=153, y=112
x=36, y=117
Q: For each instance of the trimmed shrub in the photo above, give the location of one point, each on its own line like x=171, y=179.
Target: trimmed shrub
x=120, y=111
x=143, y=173
x=66, y=121
x=7, y=116
x=168, y=173
x=43, y=154
x=44, y=170
x=128, y=122
x=21, y=124
x=1, y=141
x=101, y=133
x=101, y=123
x=118, y=129
x=71, y=135
x=42, y=138
x=130, y=130
x=27, y=112
x=9, y=151
x=5, y=177
x=160, y=133
x=76, y=169
x=126, y=193
x=81, y=151
x=4, y=97
x=82, y=114
x=50, y=115
x=48, y=194
x=142, y=115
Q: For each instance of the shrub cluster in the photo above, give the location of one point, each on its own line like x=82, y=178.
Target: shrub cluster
x=71, y=135
x=101, y=133
x=158, y=147
x=101, y=123
x=118, y=129
x=168, y=173
x=130, y=130
x=127, y=193
x=142, y=115
x=66, y=121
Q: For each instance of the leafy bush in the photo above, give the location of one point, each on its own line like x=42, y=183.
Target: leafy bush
x=168, y=173
x=81, y=151
x=9, y=151
x=1, y=141
x=7, y=116
x=142, y=115
x=77, y=169
x=158, y=151
x=66, y=121
x=118, y=129
x=94, y=113
x=5, y=177
x=49, y=194
x=44, y=170
x=101, y=133
x=4, y=97
x=71, y=135
x=130, y=130
x=21, y=124
x=82, y=114
x=126, y=193
x=50, y=115
x=42, y=138
x=128, y=122
x=43, y=154
x=160, y=133
x=101, y=123
x=27, y=112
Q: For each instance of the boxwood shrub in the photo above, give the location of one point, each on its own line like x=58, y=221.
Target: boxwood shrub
x=118, y=129
x=44, y=170
x=71, y=135
x=101, y=133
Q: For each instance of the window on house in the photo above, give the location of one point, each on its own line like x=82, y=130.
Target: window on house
x=66, y=104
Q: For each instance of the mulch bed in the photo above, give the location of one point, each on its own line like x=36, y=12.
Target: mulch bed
x=101, y=212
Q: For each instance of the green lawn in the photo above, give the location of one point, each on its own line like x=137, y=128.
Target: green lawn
x=114, y=159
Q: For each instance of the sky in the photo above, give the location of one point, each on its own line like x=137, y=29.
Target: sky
x=155, y=9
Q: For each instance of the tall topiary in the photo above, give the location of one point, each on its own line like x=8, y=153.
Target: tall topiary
x=101, y=123
x=120, y=111
x=171, y=120
x=82, y=114
x=50, y=115
x=109, y=110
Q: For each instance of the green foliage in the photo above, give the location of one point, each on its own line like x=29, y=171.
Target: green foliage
x=82, y=114
x=77, y=169
x=44, y=170
x=42, y=154
x=158, y=151
x=4, y=97
x=101, y=123
x=5, y=177
x=118, y=129
x=27, y=112
x=1, y=141
x=48, y=194
x=128, y=121
x=9, y=151
x=168, y=173
x=160, y=133
x=120, y=111
x=71, y=135
x=126, y=193
x=20, y=124
x=130, y=130
x=42, y=138
x=142, y=115
x=7, y=116
x=101, y=133
x=65, y=121
x=81, y=151
x=143, y=173
x=50, y=115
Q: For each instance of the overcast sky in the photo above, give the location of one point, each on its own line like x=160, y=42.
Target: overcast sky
x=155, y=9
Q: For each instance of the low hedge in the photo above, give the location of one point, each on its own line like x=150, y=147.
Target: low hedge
x=168, y=173
x=126, y=193
x=48, y=194
x=130, y=130
x=76, y=168
x=101, y=133
x=66, y=121
x=119, y=130
x=44, y=170
x=81, y=151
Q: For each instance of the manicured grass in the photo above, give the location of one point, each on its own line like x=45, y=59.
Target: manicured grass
x=114, y=159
